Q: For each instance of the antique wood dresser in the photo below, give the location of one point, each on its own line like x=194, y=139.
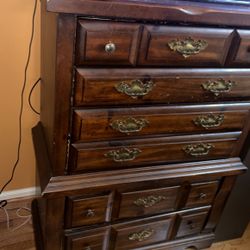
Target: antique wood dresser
x=144, y=122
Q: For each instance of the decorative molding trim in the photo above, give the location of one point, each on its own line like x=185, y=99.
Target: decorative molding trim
x=20, y=193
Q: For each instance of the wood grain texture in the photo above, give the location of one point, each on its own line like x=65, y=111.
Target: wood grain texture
x=100, y=124
x=142, y=152
x=99, y=86
x=64, y=70
x=204, y=13
x=240, y=53
x=92, y=37
x=155, y=49
x=78, y=184
x=23, y=238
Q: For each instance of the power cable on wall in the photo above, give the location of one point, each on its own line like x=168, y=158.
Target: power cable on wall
x=3, y=203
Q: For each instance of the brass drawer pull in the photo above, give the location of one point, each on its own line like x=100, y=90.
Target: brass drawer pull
x=90, y=213
x=209, y=121
x=110, y=47
x=202, y=196
x=87, y=248
x=123, y=154
x=190, y=224
x=188, y=46
x=129, y=125
x=200, y=149
x=149, y=201
x=141, y=236
x=219, y=86
x=135, y=88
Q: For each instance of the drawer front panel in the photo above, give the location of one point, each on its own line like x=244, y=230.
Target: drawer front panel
x=191, y=224
x=146, y=86
x=88, y=211
x=89, y=240
x=202, y=194
x=107, y=43
x=101, y=124
x=241, y=54
x=145, y=202
x=182, y=46
x=132, y=153
x=141, y=233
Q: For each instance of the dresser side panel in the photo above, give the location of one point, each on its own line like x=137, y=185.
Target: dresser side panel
x=48, y=66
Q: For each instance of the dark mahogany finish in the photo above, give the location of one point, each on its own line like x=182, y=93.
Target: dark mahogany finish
x=156, y=51
x=98, y=86
x=144, y=117
x=92, y=157
x=93, y=37
x=101, y=124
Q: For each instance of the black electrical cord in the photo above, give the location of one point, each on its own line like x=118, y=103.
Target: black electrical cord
x=3, y=203
x=30, y=94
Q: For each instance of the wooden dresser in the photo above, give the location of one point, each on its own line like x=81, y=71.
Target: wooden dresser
x=144, y=122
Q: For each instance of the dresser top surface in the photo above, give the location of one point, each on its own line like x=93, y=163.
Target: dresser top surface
x=208, y=12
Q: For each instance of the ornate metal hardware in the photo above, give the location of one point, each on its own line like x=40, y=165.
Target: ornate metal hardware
x=202, y=196
x=129, y=125
x=123, y=154
x=219, y=86
x=90, y=213
x=200, y=149
x=188, y=46
x=149, y=201
x=110, y=47
x=141, y=236
x=209, y=121
x=135, y=88
x=87, y=248
x=190, y=224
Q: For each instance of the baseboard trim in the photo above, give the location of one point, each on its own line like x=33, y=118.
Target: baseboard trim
x=20, y=193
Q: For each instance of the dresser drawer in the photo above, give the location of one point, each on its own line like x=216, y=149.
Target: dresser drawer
x=107, y=43
x=184, y=46
x=146, y=86
x=191, y=223
x=96, y=239
x=240, y=54
x=131, y=153
x=202, y=194
x=142, y=232
x=86, y=211
x=145, y=202
x=113, y=123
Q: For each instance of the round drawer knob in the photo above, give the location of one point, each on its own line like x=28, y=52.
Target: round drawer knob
x=202, y=196
x=110, y=47
x=190, y=224
x=90, y=213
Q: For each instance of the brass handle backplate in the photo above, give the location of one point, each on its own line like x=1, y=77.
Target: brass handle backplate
x=202, y=196
x=87, y=248
x=219, y=86
x=187, y=47
x=149, y=201
x=110, y=47
x=129, y=125
x=90, y=213
x=200, y=149
x=209, y=121
x=135, y=88
x=141, y=236
x=123, y=154
x=190, y=224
